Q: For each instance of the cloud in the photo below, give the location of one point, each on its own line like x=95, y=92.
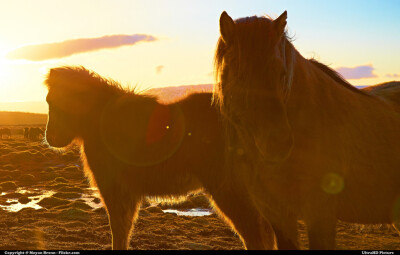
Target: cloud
x=67, y=48
x=159, y=69
x=358, y=72
x=393, y=75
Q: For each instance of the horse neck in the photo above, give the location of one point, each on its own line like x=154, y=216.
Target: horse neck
x=315, y=97
x=311, y=87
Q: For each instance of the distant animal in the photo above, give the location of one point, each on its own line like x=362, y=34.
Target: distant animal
x=26, y=133
x=5, y=132
x=134, y=146
x=35, y=133
x=314, y=147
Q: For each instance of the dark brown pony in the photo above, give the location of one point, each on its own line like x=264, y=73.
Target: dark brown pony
x=35, y=133
x=133, y=146
x=6, y=132
x=26, y=133
x=315, y=147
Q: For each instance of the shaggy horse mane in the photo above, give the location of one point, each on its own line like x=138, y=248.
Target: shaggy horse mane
x=245, y=27
x=78, y=72
x=336, y=76
x=253, y=25
x=90, y=79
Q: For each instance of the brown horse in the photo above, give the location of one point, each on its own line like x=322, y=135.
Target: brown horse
x=6, y=132
x=315, y=147
x=26, y=133
x=133, y=146
x=34, y=133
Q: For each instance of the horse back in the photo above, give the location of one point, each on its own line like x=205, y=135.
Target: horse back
x=388, y=91
x=195, y=153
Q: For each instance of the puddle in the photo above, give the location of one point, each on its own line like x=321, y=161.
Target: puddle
x=16, y=206
x=64, y=165
x=89, y=196
x=191, y=212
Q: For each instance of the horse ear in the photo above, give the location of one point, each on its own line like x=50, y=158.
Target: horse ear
x=226, y=27
x=280, y=23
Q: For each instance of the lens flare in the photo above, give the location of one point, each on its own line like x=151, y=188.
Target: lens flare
x=332, y=183
x=240, y=152
x=148, y=136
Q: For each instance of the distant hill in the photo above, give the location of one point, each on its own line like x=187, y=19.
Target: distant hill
x=168, y=94
x=22, y=118
x=165, y=94
x=30, y=106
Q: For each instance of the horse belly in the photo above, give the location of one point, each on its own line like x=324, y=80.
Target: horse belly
x=369, y=206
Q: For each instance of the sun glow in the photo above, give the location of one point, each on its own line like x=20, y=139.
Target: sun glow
x=174, y=45
x=3, y=73
x=4, y=69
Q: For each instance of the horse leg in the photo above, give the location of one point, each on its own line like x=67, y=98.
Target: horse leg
x=236, y=208
x=287, y=241
x=321, y=230
x=284, y=225
x=122, y=212
x=396, y=226
x=284, y=239
x=285, y=235
x=283, y=222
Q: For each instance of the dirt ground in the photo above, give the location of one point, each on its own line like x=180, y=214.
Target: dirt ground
x=63, y=212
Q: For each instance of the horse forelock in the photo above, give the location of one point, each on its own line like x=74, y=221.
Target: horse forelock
x=253, y=38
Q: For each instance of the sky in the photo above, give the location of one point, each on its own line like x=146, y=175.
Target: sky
x=149, y=43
